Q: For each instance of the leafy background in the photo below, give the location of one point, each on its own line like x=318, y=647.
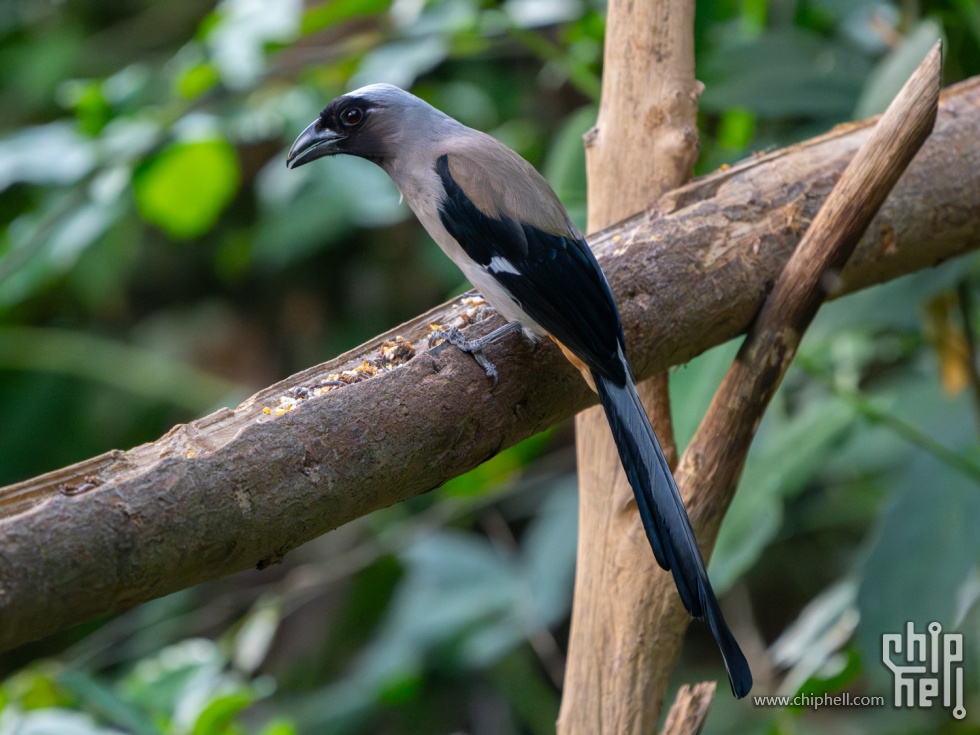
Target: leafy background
x=158, y=261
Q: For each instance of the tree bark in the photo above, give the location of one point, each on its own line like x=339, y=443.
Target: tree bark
x=712, y=463
x=645, y=143
x=689, y=711
x=241, y=488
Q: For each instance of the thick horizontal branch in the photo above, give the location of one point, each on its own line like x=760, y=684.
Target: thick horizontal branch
x=240, y=488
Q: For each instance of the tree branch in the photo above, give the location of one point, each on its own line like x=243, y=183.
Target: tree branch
x=687, y=714
x=644, y=144
x=716, y=454
x=154, y=519
x=712, y=463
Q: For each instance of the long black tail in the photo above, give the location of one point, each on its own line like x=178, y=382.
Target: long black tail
x=665, y=519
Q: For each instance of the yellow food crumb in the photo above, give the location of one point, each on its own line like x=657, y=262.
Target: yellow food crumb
x=392, y=353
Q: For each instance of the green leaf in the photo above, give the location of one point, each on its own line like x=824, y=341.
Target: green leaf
x=565, y=165
x=36, y=687
x=736, y=128
x=815, y=638
x=254, y=638
x=177, y=681
x=969, y=12
x=784, y=73
x=548, y=550
x=279, y=726
x=50, y=721
x=519, y=677
x=923, y=553
x=91, y=108
x=243, y=32
x=499, y=469
x=219, y=712
x=93, y=695
x=185, y=188
x=455, y=583
x=43, y=245
x=323, y=15
x=54, y=155
x=113, y=363
x=315, y=206
x=693, y=385
x=197, y=80
x=788, y=452
x=401, y=62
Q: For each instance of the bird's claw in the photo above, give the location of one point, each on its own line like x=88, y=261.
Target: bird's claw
x=473, y=347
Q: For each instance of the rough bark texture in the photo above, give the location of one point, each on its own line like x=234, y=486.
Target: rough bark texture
x=645, y=141
x=644, y=144
x=156, y=520
x=712, y=463
x=689, y=710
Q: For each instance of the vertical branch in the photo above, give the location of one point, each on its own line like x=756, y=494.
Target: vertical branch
x=627, y=621
x=644, y=143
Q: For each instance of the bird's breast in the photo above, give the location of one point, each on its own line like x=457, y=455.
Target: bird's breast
x=424, y=193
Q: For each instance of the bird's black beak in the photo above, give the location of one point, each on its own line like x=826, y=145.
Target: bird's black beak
x=312, y=144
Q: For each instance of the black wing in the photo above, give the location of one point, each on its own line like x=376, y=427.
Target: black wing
x=554, y=278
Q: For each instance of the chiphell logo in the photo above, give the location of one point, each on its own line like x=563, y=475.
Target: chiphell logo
x=926, y=666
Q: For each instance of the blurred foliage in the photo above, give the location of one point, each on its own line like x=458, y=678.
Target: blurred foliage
x=157, y=260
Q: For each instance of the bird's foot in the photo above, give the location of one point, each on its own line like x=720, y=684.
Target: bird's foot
x=474, y=347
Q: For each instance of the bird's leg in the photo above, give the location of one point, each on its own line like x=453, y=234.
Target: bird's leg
x=475, y=347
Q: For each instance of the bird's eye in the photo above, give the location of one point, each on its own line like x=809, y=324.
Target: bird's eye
x=352, y=116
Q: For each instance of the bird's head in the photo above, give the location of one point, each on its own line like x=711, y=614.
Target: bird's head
x=369, y=122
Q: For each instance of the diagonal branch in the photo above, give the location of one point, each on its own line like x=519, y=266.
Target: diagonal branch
x=155, y=519
x=712, y=463
x=714, y=459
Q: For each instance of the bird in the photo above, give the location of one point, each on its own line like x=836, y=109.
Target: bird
x=498, y=219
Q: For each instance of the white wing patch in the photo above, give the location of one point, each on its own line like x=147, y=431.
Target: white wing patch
x=500, y=264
